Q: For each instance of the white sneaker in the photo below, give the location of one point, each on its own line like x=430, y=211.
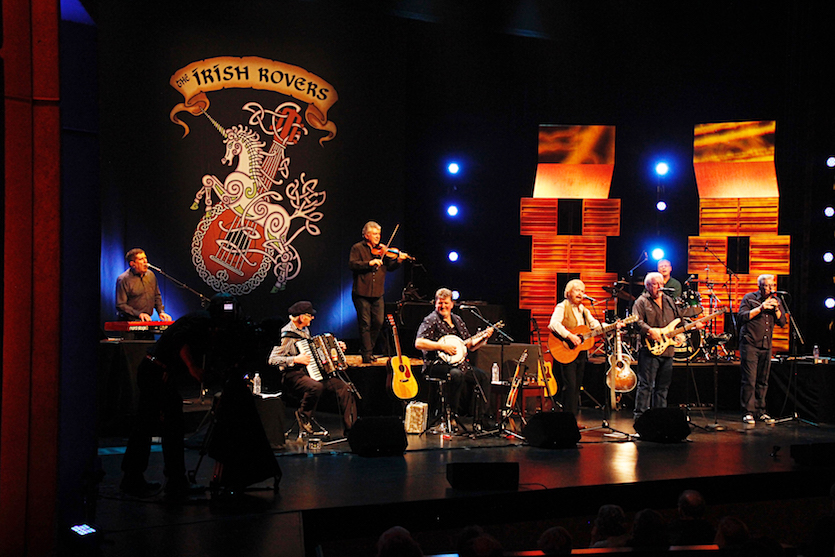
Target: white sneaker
x=748, y=419
x=766, y=418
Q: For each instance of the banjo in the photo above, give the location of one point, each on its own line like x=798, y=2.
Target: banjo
x=461, y=346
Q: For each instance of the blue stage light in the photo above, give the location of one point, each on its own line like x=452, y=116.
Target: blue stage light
x=455, y=294
x=828, y=257
x=830, y=162
x=661, y=205
x=829, y=303
x=453, y=168
x=829, y=212
x=453, y=256
x=657, y=254
x=662, y=168
x=452, y=210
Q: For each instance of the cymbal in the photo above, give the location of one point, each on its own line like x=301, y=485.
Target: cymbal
x=617, y=292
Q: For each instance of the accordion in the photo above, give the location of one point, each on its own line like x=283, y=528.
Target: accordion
x=326, y=357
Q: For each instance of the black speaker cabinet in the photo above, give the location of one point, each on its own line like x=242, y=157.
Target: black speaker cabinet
x=378, y=436
x=813, y=454
x=663, y=425
x=552, y=430
x=483, y=475
x=271, y=411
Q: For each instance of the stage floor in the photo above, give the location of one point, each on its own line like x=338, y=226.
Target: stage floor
x=339, y=501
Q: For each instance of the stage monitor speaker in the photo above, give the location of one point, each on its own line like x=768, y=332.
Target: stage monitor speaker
x=552, y=430
x=483, y=475
x=271, y=411
x=378, y=436
x=813, y=454
x=663, y=425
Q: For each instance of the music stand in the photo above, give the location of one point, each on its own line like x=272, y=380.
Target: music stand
x=796, y=337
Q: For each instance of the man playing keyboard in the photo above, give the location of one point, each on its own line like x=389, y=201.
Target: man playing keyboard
x=292, y=363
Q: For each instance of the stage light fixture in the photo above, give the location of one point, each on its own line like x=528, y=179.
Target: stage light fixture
x=657, y=254
x=455, y=294
x=662, y=168
x=829, y=303
x=453, y=256
x=661, y=206
x=828, y=257
x=830, y=162
x=83, y=529
x=453, y=168
x=452, y=210
x=829, y=212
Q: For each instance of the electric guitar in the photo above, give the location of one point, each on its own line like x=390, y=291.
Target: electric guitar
x=565, y=352
x=461, y=346
x=620, y=377
x=670, y=332
x=401, y=380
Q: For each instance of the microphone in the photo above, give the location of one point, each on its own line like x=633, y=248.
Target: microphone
x=691, y=277
x=154, y=267
x=589, y=298
x=781, y=292
x=466, y=306
x=667, y=290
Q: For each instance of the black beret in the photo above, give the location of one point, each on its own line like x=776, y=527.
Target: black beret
x=300, y=308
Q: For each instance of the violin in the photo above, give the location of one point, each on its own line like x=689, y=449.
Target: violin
x=383, y=251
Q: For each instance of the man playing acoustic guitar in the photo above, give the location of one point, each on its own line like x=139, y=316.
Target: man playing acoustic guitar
x=567, y=317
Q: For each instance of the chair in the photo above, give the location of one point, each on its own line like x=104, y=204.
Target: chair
x=442, y=422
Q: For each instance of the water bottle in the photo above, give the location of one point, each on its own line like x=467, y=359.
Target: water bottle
x=256, y=384
x=495, y=373
x=816, y=353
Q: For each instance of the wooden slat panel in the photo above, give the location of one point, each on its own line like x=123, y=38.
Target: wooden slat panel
x=699, y=259
x=601, y=217
x=770, y=254
x=758, y=216
x=538, y=217
x=568, y=254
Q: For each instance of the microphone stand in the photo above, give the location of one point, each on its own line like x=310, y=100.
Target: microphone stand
x=730, y=285
x=795, y=338
x=478, y=419
x=643, y=259
x=203, y=299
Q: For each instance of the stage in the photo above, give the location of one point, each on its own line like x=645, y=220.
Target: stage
x=332, y=502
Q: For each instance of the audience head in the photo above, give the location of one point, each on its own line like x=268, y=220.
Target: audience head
x=397, y=542
x=731, y=531
x=649, y=530
x=474, y=542
x=610, y=521
x=691, y=505
x=555, y=541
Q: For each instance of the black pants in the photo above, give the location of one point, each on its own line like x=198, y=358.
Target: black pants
x=299, y=382
x=457, y=380
x=571, y=375
x=160, y=411
x=370, y=316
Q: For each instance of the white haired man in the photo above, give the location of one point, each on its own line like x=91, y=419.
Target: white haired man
x=759, y=312
x=655, y=310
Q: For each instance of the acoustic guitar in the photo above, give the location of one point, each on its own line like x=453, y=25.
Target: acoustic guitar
x=620, y=377
x=670, y=332
x=401, y=380
x=564, y=351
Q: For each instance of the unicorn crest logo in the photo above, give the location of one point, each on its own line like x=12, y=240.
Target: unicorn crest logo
x=249, y=230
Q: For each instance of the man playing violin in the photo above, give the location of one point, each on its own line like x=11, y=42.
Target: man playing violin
x=432, y=330
x=369, y=261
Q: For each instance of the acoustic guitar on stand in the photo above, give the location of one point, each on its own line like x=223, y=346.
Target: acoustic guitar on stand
x=402, y=380
x=670, y=332
x=620, y=377
x=564, y=351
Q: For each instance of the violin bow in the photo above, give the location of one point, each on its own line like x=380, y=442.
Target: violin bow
x=391, y=239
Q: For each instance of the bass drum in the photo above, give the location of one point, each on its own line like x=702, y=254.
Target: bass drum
x=691, y=348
